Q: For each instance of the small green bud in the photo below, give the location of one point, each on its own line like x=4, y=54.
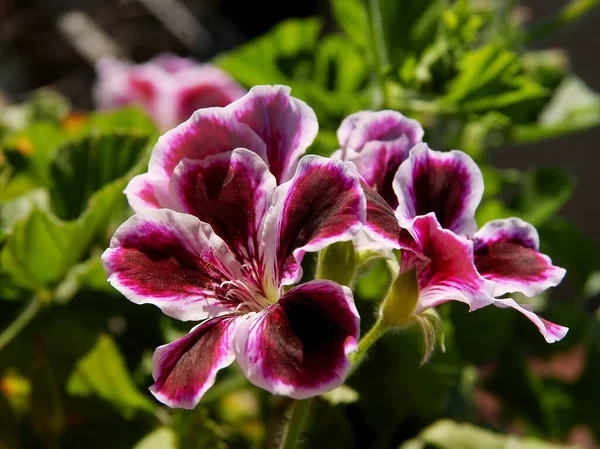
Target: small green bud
x=399, y=305
x=337, y=263
x=432, y=328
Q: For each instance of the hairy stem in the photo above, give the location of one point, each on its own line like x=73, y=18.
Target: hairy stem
x=20, y=322
x=366, y=342
x=295, y=424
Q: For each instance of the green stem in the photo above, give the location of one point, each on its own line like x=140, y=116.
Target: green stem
x=366, y=342
x=380, y=59
x=295, y=424
x=20, y=322
x=570, y=13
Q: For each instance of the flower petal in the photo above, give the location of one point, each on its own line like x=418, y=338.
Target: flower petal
x=287, y=125
x=298, y=347
x=322, y=204
x=551, y=332
x=378, y=142
x=506, y=252
x=232, y=192
x=209, y=131
x=140, y=192
x=185, y=369
x=204, y=86
x=448, y=184
x=445, y=269
x=173, y=261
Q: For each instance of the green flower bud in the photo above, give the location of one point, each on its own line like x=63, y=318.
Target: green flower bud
x=399, y=305
x=337, y=263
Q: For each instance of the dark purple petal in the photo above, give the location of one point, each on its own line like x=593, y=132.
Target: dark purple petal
x=232, y=192
x=445, y=268
x=377, y=143
x=173, y=261
x=447, y=184
x=286, y=125
x=185, y=369
x=382, y=226
x=322, y=204
x=298, y=347
x=506, y=252
x=209, y=131
x=551, y=332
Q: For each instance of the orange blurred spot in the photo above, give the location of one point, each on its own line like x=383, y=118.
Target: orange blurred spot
x=74, y=122
x=24, y=146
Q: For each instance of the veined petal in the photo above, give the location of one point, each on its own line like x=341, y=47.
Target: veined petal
x=286, y=124
x=298, y=347
x=204, y=86
x=140, y=192
x=551, y=332
x=448, y=184
x=378, y=142
x=209, y=131
x=232, y=192
x=185, y=369
x=445, y=268
x=506, y=252
x=382, y=227
x=173, y=261
x=322, y=204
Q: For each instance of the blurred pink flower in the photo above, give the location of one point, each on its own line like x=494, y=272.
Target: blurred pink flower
x=170, y=88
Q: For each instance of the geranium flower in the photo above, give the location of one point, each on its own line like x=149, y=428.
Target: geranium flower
x=168, y=87
x=267, y=120
x=377, y=143
x=229, y=242
x=438, y=194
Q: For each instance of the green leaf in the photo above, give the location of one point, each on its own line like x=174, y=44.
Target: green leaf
x=341, y=395
x=15, y=210
x=89, y=274
x=161, y=438
x=352, y=17
x=129, y=120
x=81, y=167
x=446, y=434
x=102, y=373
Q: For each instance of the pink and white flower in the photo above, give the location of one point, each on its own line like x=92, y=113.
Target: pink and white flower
x=170, y=88
x=225, y=233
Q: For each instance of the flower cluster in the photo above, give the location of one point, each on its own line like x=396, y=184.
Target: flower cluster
x=229, y=207
x=170, y=88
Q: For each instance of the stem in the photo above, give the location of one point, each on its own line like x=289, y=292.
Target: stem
x=380, y=59
x=20, y=322
x=366, y=342
x=570, y=13
x=295, y=424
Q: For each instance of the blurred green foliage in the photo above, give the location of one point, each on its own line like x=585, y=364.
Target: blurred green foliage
x=75, y=356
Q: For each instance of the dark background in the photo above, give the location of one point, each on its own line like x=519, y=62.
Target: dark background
x=34, y=53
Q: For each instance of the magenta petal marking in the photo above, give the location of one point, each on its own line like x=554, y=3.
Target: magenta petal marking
x=230, y=191
x=140, y=193
x=173, y=261
x=185, y=369
x=551, y=332
x=506, y=252
x=322, y=204
x=298, y=347
x=378, y=142
x=447, y=184
x=445, y=269
x=209, y=131
x=287, y=125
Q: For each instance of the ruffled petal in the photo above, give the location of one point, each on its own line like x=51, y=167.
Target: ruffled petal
x=298, y=347
x=185, y=369
x=287, y=125
x=232, y=192
x=551, y=332
x=378, y=142
x=204, y=86
x=445, y=268
x=322, y=204
x=506, y=252
x=140, y=192
x=173, y=261
x=209, y=131
x=448, y=184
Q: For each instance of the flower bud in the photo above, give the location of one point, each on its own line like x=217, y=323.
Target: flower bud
x=337, y=263
x=399, y=305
